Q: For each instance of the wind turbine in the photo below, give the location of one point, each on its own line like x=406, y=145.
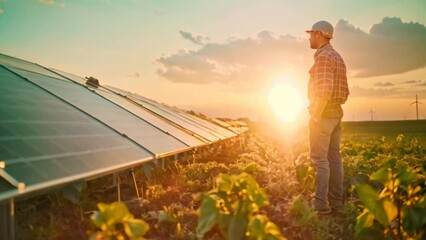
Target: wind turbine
x=417, y=106
x=371, y=113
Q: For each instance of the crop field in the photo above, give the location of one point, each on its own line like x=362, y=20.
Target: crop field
x=410, y=128
x=256, y=189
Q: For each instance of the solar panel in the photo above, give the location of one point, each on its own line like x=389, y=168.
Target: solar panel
x=8, y=61
x=71, y=76
x=142, y=132
x=56, y=130
x=218, y=131
x=222, y=123
x=223, y=131
x=183, y=135
x=161, y=123
x=45, y=141
x=199, y=130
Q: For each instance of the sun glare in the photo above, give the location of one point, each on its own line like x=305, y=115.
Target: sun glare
x=286, y=102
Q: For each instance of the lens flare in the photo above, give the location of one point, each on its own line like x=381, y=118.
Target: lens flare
x=286, y=102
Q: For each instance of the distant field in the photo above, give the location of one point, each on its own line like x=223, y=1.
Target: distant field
x=412, y=128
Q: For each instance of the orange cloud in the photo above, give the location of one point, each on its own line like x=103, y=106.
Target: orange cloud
x=242, y=63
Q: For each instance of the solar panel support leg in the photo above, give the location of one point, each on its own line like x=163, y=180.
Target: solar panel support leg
x=7, y=219
x=160, y=163
x=136, y=185
x=114, y=179
x=193, y=155
x=118, y=187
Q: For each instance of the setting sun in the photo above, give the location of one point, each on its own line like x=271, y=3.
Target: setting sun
x=286, y=102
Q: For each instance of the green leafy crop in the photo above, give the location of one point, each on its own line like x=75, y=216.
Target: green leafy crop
x=114, y=221
x=233, y=206
x=396, y=207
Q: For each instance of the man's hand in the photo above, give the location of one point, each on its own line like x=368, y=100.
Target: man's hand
x=318, y=109
x=315, y=119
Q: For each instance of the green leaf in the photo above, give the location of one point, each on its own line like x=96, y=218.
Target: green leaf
x=224, y=182
x=301, y=212
x=98, y=219
x=135, y=228
x=364, y=220
x=261, y=228
x=366, y=229
x=164, y=217
x=371, y=233
x=237, y=227
x=302, y=173
x=250, y=168
x=117, y=211
x=103, y=207
x=224, y=221
x=256, y=227
x=407, y=177
x=367, y=195
x=382, y=175
x=273, y=230
x=414, y=218
x=208, y=216
x=383, y=210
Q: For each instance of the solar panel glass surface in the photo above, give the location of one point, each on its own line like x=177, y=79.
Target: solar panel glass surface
x=45, y=141
x=142, y=132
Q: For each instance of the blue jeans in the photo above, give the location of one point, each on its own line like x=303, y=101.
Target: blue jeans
x=324, y=140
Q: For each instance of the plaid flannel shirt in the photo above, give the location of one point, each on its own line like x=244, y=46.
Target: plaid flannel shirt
x=328, y=80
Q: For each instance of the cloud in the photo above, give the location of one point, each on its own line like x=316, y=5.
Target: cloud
x=383, y=84
x=199, y=39
x=52, y=2
x=243, y=63
x=412, y=81
x=357, y=91
x=390, y=47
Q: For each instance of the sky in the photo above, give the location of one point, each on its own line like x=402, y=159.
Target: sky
x=223, y=57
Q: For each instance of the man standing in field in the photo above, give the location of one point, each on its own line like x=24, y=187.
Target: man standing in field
x=327, y=91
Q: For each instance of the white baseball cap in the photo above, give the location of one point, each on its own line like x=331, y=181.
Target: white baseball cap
x=324, y=27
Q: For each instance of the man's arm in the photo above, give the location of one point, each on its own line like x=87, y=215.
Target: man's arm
x=318, y=108
x=323, y=86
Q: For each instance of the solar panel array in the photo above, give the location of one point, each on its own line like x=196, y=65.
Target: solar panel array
x=55, y=129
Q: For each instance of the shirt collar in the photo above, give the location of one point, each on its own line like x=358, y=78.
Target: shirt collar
x=322, y=48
